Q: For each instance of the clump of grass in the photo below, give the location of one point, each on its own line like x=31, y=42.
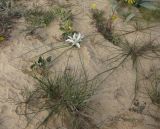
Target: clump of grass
x=66, y=96
x=154, y=91
x=148, y=50
x=39, y=17
x=154, y=94
x=105, y=26
x=8, y=13
x=134, y=52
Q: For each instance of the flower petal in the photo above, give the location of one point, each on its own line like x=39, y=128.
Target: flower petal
x=69, y=40
x=74, y=36
x=78, y=45
x=78, y=37
x=70, y=37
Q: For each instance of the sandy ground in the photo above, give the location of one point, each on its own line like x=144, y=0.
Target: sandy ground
x=117, y=91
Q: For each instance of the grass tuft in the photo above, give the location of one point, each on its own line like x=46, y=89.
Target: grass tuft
x=135, y=53
x=154, y=94
x=105, y=26
x=38, y=17
x=64, y=95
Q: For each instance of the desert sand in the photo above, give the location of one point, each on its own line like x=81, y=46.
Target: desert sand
x=114, y=98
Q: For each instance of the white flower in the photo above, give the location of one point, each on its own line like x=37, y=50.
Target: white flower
x=75, y=39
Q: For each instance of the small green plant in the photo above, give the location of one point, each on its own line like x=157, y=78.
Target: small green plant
x=38, y=17
x=41, y=66
x=134, y=52
x=100, y=21
x=138, y=106
x=66, y=21
x=66, y=96
x=105, y=26
x=66, y=28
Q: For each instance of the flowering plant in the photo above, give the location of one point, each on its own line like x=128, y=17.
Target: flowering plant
x=75, y=39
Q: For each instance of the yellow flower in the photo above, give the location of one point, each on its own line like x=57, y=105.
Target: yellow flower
x=70, y=28
x=93, y=6
x=2, y=38
x=131, y=2
x=114, y=17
